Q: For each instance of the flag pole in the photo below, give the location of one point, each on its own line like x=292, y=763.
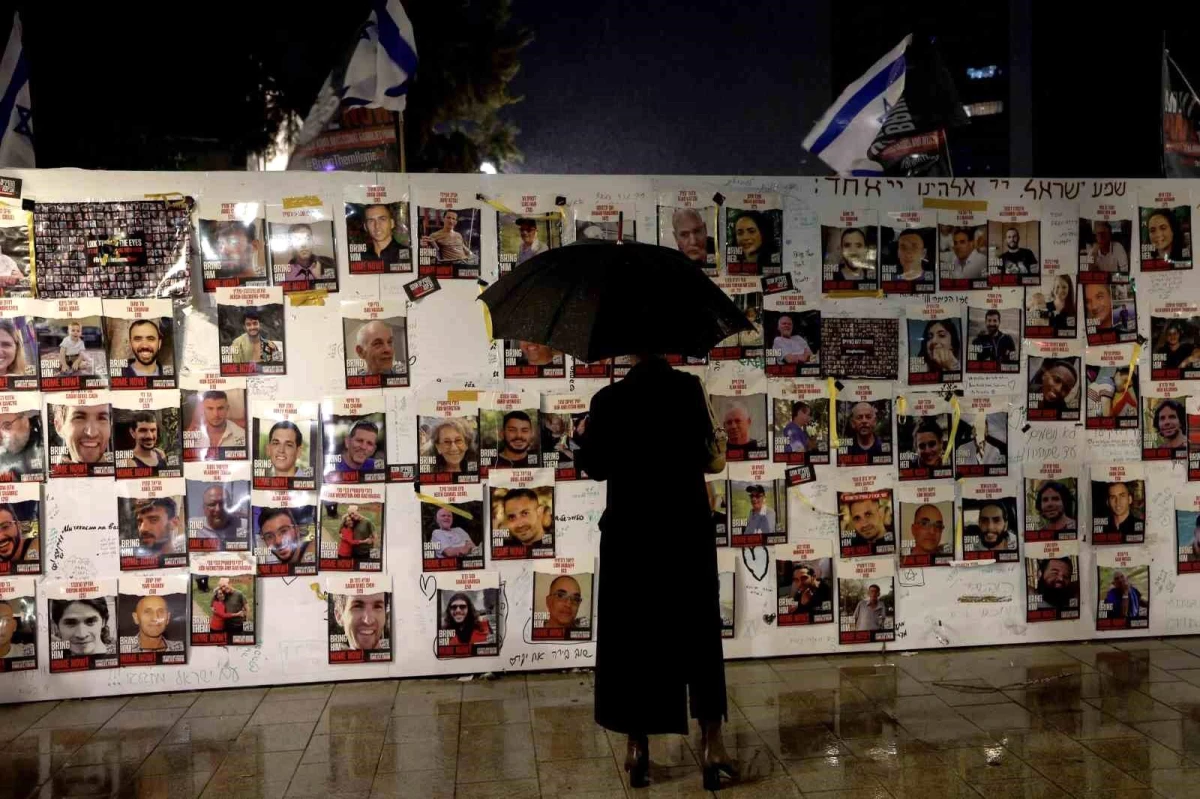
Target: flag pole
x=400, y=139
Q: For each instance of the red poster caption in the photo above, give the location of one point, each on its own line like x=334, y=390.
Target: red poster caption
x=777, y=284
x=347, y=656
x=62, y=383
x=402, y=473
x=422, y=286
x=61, y=665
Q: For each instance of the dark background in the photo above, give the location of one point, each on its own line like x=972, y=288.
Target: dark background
x=720, y=87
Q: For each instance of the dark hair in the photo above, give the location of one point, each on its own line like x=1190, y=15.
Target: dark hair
x=526, y=221
x=1050, y=363
x=910, y=231
x=1003, y=506
x=520, y=493
x=143, y=416
x=1127, y=483
x=150, y=322
x=249, y=313
x=800, y=405
x=876, y=587
x=992, y=312
x=1044, y=562
x=462, y=631
x=1176, y=253
x=951, y=328
x=966, y=231
x=58, y=607
x=267, y=514
x=766, y=231
x=362, y=424
x=847, y=231
x=520, y=416
x=166, y=503
x=928, y=424
x=284, y=424
x=1174, y=405
x=1063, y=492
x=214, y=395
x=293, y=228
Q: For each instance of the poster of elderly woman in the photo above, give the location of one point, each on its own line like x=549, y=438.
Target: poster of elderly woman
x=448, y=441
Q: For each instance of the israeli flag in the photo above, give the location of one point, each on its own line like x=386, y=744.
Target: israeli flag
x=377, y=74
x=16, y=114
x=844, y=134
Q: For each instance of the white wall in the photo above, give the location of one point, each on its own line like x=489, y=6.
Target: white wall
x=448, y=342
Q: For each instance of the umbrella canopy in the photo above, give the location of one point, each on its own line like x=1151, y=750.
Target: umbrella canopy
x=596, y=300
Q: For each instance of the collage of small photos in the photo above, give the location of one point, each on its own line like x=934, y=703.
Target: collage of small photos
x=218, y=488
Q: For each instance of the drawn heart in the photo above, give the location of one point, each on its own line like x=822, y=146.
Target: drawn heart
x=757, y=560
x=428, y=585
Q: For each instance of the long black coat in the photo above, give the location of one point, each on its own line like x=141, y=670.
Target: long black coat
x=658, y=594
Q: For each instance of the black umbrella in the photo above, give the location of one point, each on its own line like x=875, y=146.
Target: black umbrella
x=596, y=300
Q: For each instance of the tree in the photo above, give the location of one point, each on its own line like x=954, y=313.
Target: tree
x=469, y=53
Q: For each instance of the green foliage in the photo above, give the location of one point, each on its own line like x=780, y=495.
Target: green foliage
x=469, y=53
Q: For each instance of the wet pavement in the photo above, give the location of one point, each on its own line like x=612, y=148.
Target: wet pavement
x=1083, y=720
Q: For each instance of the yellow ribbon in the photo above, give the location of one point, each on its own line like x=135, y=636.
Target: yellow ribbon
x=499, y=206
x=316, y=589
x=953, y=433
x=958, y=544
x=901, y=406
x=300, y=299
x=849, y=294
x=833, y=433
x=442, y=504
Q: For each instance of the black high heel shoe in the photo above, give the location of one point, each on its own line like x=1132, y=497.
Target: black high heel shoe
x=637, y=761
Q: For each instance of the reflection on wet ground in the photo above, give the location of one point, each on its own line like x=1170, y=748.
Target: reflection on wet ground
x=1083, y=720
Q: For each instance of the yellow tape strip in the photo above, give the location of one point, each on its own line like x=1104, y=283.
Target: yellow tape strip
x=901, y=406
x=958, y=544
x=850, y=295
x=306, y=201
x=301, y=299
x=462, y=395
x=953, y=429
x=954, y=205
x=171, y=198
x=499, y=206
x=834, y=441
x=316, y=589
x=446, y=505
x=1133, y=365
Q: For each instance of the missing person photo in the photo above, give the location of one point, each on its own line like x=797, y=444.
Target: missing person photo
x=935, y=353
x=521, y=236
x=690, y=229
x=22, y=454
x=285, y=531
x=924, y=442
x=793, y=343
x=214, y=421
x=1105, y=246
x=303, y=254
x=1122, y=595
x=146, y=441
x=18, y=625
x=1050, y=309
x=867, y=610
x=1112, y=393
x=866, y=523
x=527, y=359
x=981, y=443
x=1187, y=534
x=152, y=525
x=745, y=421
x=452, y=531
x=285, y=445
x=562, y=606
x=71, y=350
x=224, y=601
x=1013, y=258
x=906, y=259
x=359, y=613
x=509, y=437
x=354, y=444
x=989, y=528
x=352, y=529
x=1051, y=509
x=232, y=249
x=1166, y=238
x=448, y=447
x=141, y=344
x=865, y=430
x=83, y=625
x=449, y=242
x=1174, y=347
x=927, y=533
x=218, y=512
x=1054, y=389
x=804, y=591
x=376, y=348
x=1110, y=313
x=20, y=530
x=800, y=430
x=19, y=358
x=152, y=621
x=522, y=524
x=379, y=241
x=849, y=258
x=467, y=623
x=993, y=340
x=80, y=435
x=754, y=239
x=963, y=254
x=1118, y=511
x=1164, y=428
x=757, y=512
x=1051, y=585
x=250, y=331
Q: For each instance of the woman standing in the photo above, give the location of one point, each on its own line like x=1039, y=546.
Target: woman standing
x=645, y=680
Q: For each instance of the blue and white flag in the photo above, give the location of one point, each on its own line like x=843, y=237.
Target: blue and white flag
x=845, y=133
x=16, y=114
x=377, y=73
